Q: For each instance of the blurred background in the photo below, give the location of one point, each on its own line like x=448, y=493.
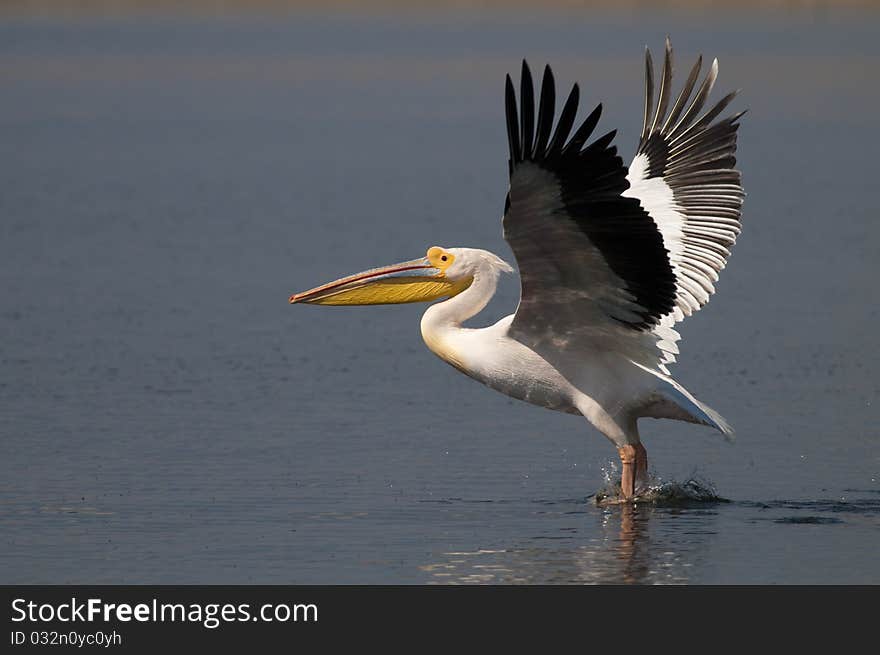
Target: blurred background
x=172, y=171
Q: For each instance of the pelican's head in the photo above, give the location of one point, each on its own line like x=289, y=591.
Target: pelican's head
x=441, y=273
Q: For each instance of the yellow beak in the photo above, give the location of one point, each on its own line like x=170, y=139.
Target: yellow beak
x=414, y=281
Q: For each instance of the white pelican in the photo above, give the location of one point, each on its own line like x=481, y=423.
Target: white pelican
x=610, y=259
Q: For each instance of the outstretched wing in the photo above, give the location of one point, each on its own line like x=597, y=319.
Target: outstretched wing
x=594, y=271
x=684, y=176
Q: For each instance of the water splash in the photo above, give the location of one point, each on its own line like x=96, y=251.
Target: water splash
x=693, y=490
x=666, y=493
x=609, y=473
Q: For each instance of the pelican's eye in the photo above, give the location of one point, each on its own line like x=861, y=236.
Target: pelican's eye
x=440, y=258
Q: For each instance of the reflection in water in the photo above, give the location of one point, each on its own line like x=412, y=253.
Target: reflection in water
x=636, y=544
x=632, y=543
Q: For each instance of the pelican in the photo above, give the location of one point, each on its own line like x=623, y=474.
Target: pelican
x=610, y=260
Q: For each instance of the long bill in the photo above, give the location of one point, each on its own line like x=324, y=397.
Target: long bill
x=413, y=281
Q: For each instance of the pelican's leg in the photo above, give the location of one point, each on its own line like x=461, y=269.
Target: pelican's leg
x=628, y=464
x=641, y=468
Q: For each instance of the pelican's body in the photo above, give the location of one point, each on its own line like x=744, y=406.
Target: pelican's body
x=610, y=259
x=488, y=354
x=609, y=389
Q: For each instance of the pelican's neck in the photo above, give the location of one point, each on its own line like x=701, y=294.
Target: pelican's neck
x=470, y=302
x=443, y=320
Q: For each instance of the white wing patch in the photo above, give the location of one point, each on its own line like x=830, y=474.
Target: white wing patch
x=695, y=268
x=657, y=199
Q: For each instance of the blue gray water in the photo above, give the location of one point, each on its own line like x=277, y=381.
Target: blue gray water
x=166, y=416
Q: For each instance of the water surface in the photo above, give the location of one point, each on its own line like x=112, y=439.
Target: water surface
x=166, y=182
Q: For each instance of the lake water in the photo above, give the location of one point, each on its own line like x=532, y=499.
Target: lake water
x=166, y=181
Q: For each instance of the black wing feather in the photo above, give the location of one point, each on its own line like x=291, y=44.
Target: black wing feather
x=527, y=115
x=566, y=120
x=590, y=182
x=512, y=123
x=546, y=109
